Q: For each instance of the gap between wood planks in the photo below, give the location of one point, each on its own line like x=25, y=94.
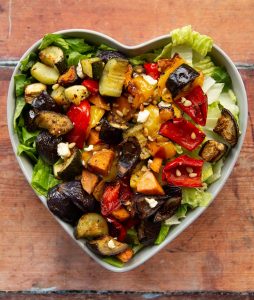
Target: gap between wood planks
x=144, y=295
x=13, y=63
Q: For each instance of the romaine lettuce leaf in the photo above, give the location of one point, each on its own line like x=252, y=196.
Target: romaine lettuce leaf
x=213, y=115
x=140, y=59
x=216, y=171
x=195, y=197
x=208, y=82
x=228, y=101
x=113, y=261
x=184, y=51
x=28, y=62
x=182, y=211
x=30, y=151
x=202, y=44
x=162, y=234
x=205, y=65
x=79, y=45
x=207, y=171
x=20, y=104
x=174, y=220
x=43, y=179
x=55, y=39
x=75, y=57
x=21, y=81
x=220, y=74
x=214, y=92
x=165, y=52
x=106, y=47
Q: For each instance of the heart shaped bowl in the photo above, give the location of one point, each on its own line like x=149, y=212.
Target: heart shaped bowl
x=98, y=38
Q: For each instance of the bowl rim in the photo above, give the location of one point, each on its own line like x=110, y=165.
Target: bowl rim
x=198, y=211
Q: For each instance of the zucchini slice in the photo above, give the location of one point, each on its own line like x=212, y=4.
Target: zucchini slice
x=53, y=56
x=227, y=127
x=107, y=246
x=113, y=76
x=58, y=95
x=57, y=124
x=212, y=151
x=70, y=167
x=91, y=225
x=45, y=74
x=92, y=67
x=33, y=90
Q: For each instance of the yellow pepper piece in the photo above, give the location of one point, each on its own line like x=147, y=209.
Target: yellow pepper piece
x=153, y=122
x=144, y=91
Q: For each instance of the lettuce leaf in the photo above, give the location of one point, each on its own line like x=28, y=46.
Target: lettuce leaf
x=217, y=167
x=78, y=45
x=55, y=39
x=43, y=179
x=182, y=211
x=165, y=52
x=21, y=81
x=113, y=261
x=213, y=114
x=20, y=104
x=205, y=65
x=30, y=151
x=162, y=234
x=202, y=44
x=184, y=51
x=221, y=75
x=228, y=101
x=207, y=171
x=28, y=62
x=195, y=197
x=141, y=59
x=106, y=47
x=174, y=220
x=75, y=57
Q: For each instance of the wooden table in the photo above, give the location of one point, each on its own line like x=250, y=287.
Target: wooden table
x=215, y=256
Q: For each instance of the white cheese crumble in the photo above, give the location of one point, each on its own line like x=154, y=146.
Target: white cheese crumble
x=163, y=104
x=63, y=150
x=89, y=148
x=143, y=116
x=152, y=202
x=79, y=71
x=149, y=163
x=149, y=79
x=111, y=244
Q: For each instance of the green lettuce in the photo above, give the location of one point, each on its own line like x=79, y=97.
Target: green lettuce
x=43, y=178
x=213, y=115
x=55, y=39
x=30, y=151
x=221, y=75
x=205, y=65
x=78, y=45
x=75, y=57
x=182, y=211
x=162, y=234
x=207, y=171
x=228, y=100
x=21, y=81
x=106, y=47
x=195, y=197
x=217, y=167
x=165, y=52
x=202, y=44
x=141, y=59
x=113, y=261
x=20, y=104
x=28, y=62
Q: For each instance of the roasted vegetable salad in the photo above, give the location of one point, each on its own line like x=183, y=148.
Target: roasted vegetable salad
x=123, y=147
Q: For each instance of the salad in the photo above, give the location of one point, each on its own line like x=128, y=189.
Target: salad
x=124, y=147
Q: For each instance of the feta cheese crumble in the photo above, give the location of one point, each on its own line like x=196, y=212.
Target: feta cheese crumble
x=79, y=71
x=143, y=116
x=149, y=79
x=89, y=148
x=111, y=244
x=63, y=150
x=152, y=202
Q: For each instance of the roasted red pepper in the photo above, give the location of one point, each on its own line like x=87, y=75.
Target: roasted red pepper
x=195, y=105
x=91, y=85
x=116, y=229
x=183, y=133
x=80, y=117
x=110, y=198
x=183, y=171
x=152, y=70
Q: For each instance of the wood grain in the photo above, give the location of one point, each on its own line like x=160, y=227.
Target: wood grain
x=229, y=22
x=215, y=253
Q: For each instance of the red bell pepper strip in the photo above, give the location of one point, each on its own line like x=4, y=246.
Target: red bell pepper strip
x=91, y=85
x=183, y=133
x=152, y=70
x=195, y=105
x=125, y=193
x=183, y=171
x=116, y=229
x=80, y=117
x=110, y=198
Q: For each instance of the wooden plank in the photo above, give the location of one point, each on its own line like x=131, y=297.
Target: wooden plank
x=214, y=253
x=230, y=23
x=87, y=296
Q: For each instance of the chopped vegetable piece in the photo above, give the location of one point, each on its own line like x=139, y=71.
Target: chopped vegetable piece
x=98, y=101
x=149, y=185
x=80, y=117
x=164, y=150
x=126, y=255
x=180, y=78
x=110, y=134
x=183, y=133
x=98, y=190
x=152, y=70
x=33, y=90
x=121, y=214
x=212, y=151
x=44, y=73
x=89, y=181
x=183, y=171
x=195, y=105
x=227, y=127
x=93, y=138
x=91, y=85
x=156, y=164
x=69, y=77
x=116, y=229
x=162, y=234
x=110, y=198
x=76, y=93
x=101, y=161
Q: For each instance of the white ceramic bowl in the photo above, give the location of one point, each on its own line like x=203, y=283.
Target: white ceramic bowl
x=97, y=38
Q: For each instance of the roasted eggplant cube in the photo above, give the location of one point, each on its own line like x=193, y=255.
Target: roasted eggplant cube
x=30, y=115
x=53, y=56
x=180, y=78
x=212, y=151
x=57, y=124
x=107, y=246
x=91, y=225
x=44, y=102
x=70, y=167
x=106, y=55
x=110, y=134
x=227, y=127
x=148, y=232
x=129, y=153
x=142, y=206
x=69, y=77
x=60, y=202
x=46, y=146
x=168, y=209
